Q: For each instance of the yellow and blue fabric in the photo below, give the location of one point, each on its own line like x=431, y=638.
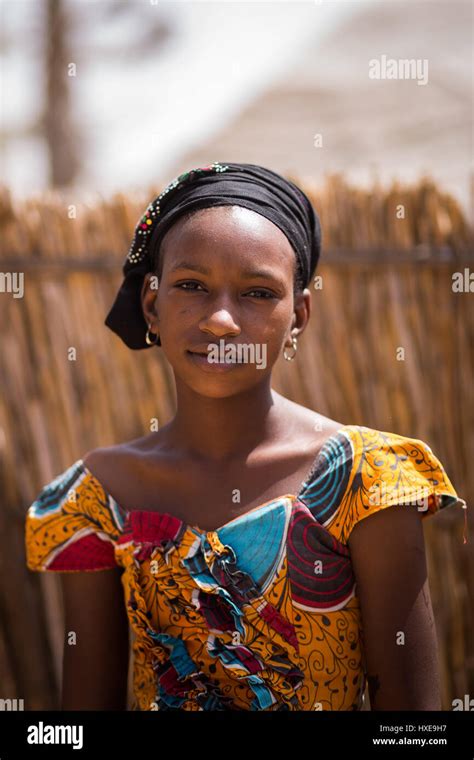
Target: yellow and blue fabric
x=260, y=614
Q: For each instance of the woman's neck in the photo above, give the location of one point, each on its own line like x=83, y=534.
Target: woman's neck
x=223, y=428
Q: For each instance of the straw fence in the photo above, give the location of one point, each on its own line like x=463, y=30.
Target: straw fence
x=389, y=255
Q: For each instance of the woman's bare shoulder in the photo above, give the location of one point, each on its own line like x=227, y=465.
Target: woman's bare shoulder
x=302, y=417
x=112, y=463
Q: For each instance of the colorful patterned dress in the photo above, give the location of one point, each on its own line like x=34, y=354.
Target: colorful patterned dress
x=261, y=614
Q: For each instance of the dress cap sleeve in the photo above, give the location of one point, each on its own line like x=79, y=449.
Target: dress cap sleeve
x=72, y=525
x=396, y=470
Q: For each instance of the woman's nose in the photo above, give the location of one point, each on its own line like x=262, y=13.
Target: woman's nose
x=220, y=320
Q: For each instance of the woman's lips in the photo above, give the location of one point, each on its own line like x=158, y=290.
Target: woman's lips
x=202, y=361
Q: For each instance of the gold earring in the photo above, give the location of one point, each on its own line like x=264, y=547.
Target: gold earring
x=147, y=336
x=294, y=343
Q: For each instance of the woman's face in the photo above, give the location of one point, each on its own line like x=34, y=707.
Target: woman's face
x=226, y=279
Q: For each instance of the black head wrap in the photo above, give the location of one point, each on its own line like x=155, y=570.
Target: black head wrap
x=231, y=184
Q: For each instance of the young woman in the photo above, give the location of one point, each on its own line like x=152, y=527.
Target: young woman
x=234, y=542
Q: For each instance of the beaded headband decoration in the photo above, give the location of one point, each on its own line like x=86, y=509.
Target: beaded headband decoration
x=146, y=224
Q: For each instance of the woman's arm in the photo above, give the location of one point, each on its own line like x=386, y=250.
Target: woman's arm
x=95, y=668
x=399, y=636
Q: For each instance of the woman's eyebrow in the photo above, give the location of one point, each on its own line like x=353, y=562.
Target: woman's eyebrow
x=186, y=265
x=248, y=274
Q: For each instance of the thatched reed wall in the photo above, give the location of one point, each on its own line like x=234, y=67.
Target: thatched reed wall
x=386, y=283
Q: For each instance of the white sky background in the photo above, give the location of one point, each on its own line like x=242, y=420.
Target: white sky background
x=137, y=116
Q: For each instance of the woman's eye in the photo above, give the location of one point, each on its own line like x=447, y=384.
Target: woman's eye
x=266, y=293
x=180, y=285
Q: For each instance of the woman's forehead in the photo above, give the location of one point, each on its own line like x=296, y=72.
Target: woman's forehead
x=231, y=227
